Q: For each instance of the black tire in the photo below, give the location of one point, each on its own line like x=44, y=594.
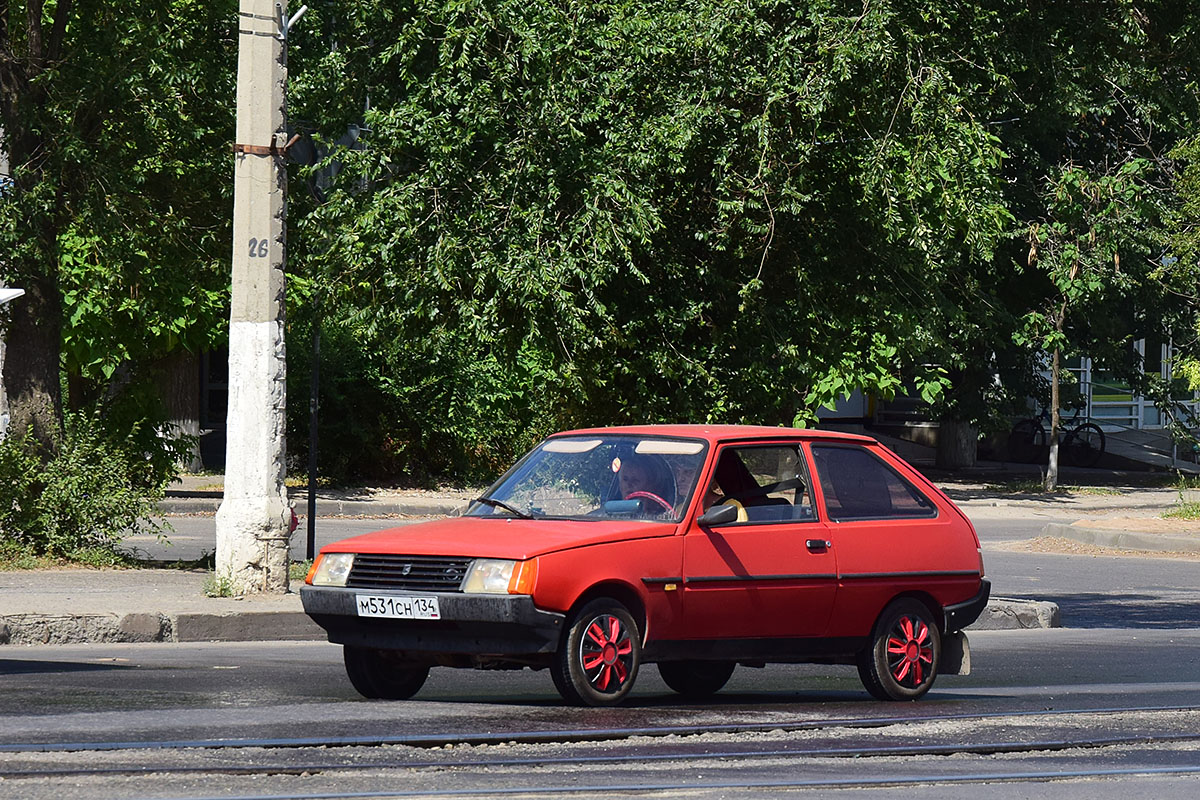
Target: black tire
x=696, y=678
x=598, y=659
x=382, y=674
x=1026, y=440
x=1085, y=445
x=902, y=660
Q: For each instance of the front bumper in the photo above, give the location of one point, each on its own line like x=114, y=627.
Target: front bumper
x=471, y=624
x=960, y=615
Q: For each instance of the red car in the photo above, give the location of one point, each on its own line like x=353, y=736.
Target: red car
x=693, y=547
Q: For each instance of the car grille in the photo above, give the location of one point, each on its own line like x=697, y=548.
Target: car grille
x=419, y=573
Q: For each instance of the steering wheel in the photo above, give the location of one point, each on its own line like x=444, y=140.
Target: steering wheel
x=667, y=507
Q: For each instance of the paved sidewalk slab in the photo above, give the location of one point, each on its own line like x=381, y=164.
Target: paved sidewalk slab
x=387, y=506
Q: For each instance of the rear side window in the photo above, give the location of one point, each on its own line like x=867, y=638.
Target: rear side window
x=859, y=485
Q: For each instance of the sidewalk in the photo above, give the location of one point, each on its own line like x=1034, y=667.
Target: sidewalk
x=201, y=494
x=164, y=605
x=983, y=485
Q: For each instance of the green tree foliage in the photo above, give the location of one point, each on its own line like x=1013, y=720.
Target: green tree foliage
x=618, y=211
x=560, y=213
x=1181, y=270
x=116, y=119
x=1091, y=221
x=1088, y=95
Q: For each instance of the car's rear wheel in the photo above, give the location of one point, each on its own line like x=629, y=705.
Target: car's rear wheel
x=598, y=660
x=902, y=659
x=382, y=674
x=696, y=678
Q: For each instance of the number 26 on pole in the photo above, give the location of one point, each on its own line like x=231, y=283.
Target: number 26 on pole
x=258, y=248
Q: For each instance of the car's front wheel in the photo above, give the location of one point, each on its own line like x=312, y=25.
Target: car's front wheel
x=902, y=659
x=382, y=674
x=696, y=678
x=600, y=654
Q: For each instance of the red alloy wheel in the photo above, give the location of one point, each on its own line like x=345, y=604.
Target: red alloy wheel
x=606, y=653
x=910, y=651
x=601, y=652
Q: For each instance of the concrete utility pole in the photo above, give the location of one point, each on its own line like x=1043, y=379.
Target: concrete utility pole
x=253, y=522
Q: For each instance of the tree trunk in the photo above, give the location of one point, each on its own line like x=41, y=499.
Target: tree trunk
x=179, y=385
x=957, y=444
x=1050, y=484
x=31, y=364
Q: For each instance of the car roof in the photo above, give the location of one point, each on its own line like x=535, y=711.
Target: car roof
x=721, y=433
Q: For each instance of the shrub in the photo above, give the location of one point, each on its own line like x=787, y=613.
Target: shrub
x=20, y=472
x=80, y=499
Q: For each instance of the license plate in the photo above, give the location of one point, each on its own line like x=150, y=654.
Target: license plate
x=370, y=605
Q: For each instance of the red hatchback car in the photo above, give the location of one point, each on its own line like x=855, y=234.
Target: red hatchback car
x=693, y=547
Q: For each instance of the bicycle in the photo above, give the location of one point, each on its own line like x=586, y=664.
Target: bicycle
x=1082, y=441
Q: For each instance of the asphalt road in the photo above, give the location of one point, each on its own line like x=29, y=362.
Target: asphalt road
x=1106, y=707
x=1040, y=703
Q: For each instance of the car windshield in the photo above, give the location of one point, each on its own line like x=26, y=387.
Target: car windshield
x=599, y=477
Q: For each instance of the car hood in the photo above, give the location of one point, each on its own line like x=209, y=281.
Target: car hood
x=497, y=537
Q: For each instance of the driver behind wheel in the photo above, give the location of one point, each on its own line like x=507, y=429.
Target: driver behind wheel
x=649, y=480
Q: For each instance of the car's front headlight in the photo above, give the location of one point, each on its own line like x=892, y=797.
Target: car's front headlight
x=498, y=576
x=331, y=569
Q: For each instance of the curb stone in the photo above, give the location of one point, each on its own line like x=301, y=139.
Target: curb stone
x=41, y=629
x=1125, y=540
x=246, y=627
x=37, y=629
x=1009, y=614
x=1103, y=503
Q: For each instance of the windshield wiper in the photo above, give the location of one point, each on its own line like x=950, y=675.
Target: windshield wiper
x=488, y=501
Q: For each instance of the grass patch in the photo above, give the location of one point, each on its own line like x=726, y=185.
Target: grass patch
x=15, y=557
x=1100, y=491
x=1187, y=482
x=1034, y=486
x=301, y=482
x=217, y=586
x=1189, y=510
x=220, y=586
x=298, y=571
x=1016, y=487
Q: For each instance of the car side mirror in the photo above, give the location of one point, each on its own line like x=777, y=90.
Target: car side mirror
x=718, y=515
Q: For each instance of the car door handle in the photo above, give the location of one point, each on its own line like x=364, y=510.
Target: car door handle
x=818, y=544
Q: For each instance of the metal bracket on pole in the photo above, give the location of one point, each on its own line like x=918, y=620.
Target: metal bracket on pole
x=273, y=149
x=286, y=24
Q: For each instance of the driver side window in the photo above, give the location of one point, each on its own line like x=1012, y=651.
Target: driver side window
x=766, y=484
